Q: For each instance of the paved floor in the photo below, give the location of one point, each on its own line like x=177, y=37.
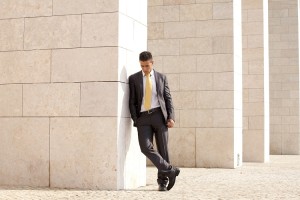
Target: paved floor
x=278, y=179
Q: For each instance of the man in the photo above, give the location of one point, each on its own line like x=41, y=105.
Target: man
x=152, y=112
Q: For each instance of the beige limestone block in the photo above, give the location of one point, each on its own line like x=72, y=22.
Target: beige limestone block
x=85, y=64
x=214, y=147
x=223, y=10
x=55, y=99
x=184, y=100
x=180, y=64
x=223, y=81
x=34, y=8
x=290, y=144
x=155, y=31
x=245, y=95
x=252, y=4
x=253, y=28
x=223, y=118
x=99, y=99
x=256, y=122
x=178, y=2
x=222, y=45
x=100, y=29
x=253, y=146
x=215, y=63
x=24, y=148
x=214, y=28
x=245, y=123
x=11, y=100
x=25, y=66
x=163, y=13
x=182, y=143
x=155, y=2
x=192, y=46
x=196, y=81
x=253, y=54
x=52, y=32
x=253, y=81
x=11, y=34
x=256, y=67
x=174, y=82
x=25, y=8
x=196, y=118
x=255, y=15
x=255, y=41
x=65, y=7
x=194, y=12
x=275, y=143
x=164, y=47
x=83, y=152
x=215, y=99
x=253, y=109
x=256, y=95
x=179, y=29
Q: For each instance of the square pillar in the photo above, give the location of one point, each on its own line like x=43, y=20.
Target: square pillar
x=65, y=121
x=256, y=81
x=199, y=47
x=284, y=77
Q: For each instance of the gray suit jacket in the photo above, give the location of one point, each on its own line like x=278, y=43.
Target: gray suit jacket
x=163, y=95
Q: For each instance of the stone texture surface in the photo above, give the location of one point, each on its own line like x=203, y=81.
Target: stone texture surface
x=64, y=7
x=194, y=46
x=100, y=29
x=84, y=64
x=11, y=100
x=55, y=99
x=77, y=158
x=284, y=76
x=25, y=66
x=52, y=32
x=25, y=8
x=99, y=99
x=24, y=148
x=255, y=82
x=11, y=34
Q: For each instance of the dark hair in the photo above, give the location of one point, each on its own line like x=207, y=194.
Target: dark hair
x=145, y=56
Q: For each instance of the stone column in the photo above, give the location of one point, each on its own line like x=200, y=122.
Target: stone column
x=64, y=93
x=197, y=44
x=256, y=81
x=284, y=77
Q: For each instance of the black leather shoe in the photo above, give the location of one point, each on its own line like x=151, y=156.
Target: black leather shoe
x=172, y=173
x=162, y=187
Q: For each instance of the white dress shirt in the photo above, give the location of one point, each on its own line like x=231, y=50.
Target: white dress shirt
x=154, y=99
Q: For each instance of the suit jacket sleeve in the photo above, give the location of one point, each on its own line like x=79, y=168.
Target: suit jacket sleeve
x=168, y=100
x=132, y=100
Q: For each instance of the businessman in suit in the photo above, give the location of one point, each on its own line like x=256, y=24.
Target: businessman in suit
x=152, y=112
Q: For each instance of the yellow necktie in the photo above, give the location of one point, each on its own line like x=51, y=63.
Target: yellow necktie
x=148, y=93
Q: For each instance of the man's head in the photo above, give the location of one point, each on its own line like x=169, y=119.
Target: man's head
x=146, y=62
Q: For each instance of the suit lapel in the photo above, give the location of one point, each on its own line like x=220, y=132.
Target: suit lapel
x=156, y=82
x=140, y=81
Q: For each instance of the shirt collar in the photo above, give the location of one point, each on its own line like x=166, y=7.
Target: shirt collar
x=151, y=73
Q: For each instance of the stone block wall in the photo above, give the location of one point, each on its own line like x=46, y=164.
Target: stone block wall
x=284, y=77
x=64, y=119
x=255, y=81
x=197, y=44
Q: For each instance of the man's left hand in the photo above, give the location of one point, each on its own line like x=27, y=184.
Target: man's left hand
x=170, y=123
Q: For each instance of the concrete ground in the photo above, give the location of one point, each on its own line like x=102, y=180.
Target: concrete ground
x=278, y=179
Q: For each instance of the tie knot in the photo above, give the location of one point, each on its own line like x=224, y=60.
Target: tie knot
x=148, y=75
